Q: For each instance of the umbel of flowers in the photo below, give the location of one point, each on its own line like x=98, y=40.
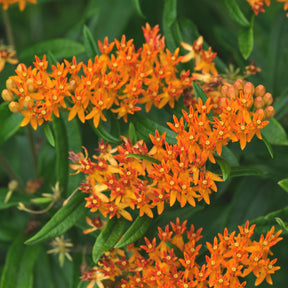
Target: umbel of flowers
x=131, y=176
x=115, y=81
x=172, y=260
x=22, y=3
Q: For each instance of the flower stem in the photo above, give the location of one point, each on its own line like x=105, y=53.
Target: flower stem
x=8, y=28
x=32, y=146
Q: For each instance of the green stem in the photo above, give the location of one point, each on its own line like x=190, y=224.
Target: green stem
x=8, y=28
x=32, y=146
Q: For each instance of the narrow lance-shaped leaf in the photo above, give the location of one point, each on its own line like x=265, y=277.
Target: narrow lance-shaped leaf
x=199, y=93
x=268, y=146
x=136, y=4
x=63, y=220
x=274, y=133
x=19, y=264
x=247, y=171
x=246, y=40
x=109, y=236
x=144, y=157
x=145, y=126
x=135, y=231
x=235, y=13
x=61, y=48
x=284, y=184
x=89, y=43
x=103, y=134
x=224, y=166
x=132, y=133
x=49, y=134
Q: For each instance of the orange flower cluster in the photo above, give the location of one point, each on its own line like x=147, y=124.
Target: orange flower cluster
x=176, y=171
x=203, y=59
x=172, y=261
x=116, y=81
x=258, y=5
x=22, y=3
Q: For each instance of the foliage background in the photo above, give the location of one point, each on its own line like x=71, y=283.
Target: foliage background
x=238, y=199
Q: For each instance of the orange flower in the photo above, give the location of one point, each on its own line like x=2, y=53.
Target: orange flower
x=6, y=55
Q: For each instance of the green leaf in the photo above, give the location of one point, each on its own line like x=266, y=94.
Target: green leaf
x=145, y=126
x=176, y=250
x=246, y=40
x=275, y=133
x=19, y=264
x=281, y=223
x=284, y=184
x=135, y=231
x=10, y=122
x=199, y=93
x=144, y=157
x=51, y=58
x=103, y=134
x=246, y=171
x=61, y=48
x=109, y=236
x=89, y=43
x=132, y=133
x=235, y=13
x=229, y=156
x=136, y=4
x=63, y=220
x=61, y=145
x=268, y=146
x=170, y=12
x=49, y=134
x=225, y=167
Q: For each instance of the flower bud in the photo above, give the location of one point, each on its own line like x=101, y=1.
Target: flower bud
x=14, y=107
x=239, y=84
x=259, y=111
x=7, y=95
x=268, y=99
x=258, y=102
x=260, y=90
x=269, y=112
x=249, y=88
x=72, y=85
x=30, y=85
x=28, y=102
x=232, y=93
x=224, y=91
x=223, y=102
x=10, y=84
x=21, y=68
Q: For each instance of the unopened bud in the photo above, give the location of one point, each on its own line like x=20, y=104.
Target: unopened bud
x=268, y=99
x=224, y=91
x=223, y=102
x=258, y=102
x=259, y=111
x=28, y=102
x=30, y=85
x=239, y=84
x=260, y=90
x=269, y=112
x=10, y=84
x=232, y=93
x=21, y=67
x=14, y=107
x=249, y=88
x=72, y=85
x=7, y=95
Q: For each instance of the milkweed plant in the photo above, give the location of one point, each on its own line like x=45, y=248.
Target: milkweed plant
x=143, y=144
